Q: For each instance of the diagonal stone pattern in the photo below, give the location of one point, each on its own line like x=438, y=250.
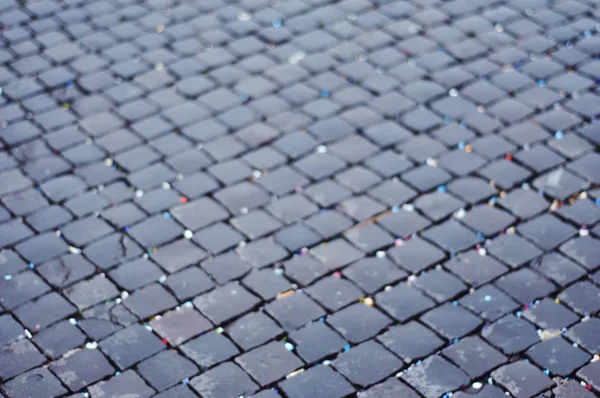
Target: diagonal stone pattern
x=299, y=198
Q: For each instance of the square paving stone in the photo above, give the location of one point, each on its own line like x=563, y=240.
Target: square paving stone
x=316, y=341
x=474, y=356
x=59, y=339
x=149, y=301
x=32, y=383
x=199, y=213
x=10, y=329
x=546, y=231
x=451, y=236
x=82, y=368
x=489, y=302
x=131, y=345
x=217, y=237
x=511, y=334
x=585, y=334
x=475, y=269
x=451, y=321
x=166, y=369
x=20, y=289
x=127, y=383
x=571, y=388
x=437, y=205
x=209, y=349
x=105, y=319
x=392, y=387
x=558, y=356
x=495, y=220
x=584, y=250
x=471, y=189
x=225, y=380
x=403, y=223
x=403, y=302
x=178, y=255
x=315, y=382
x=42, y=248
x=548, y=314
x=523, y=203
x=294, y=310
x=135, y=274
x=226, y=302
x=590, y=374
x=504, y=173
x=522, y=379
x=414, y=255
x=367, y=363
x=559, y=184
x=583, y=297
x=410, y=341
x=269, y=363
x=358, y=322
x=226, y=267
x=373, y=273
x=336, y=254
x=512, y=250
x=434, y=377
x=180, y=325
x=267, y=283
x=19, y=356
x=155, y=231
x=252, y=330
x=525, y=285
x=334, y=292
x=440, y=285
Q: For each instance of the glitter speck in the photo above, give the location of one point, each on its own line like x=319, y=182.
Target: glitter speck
x=453, y=92
x=487, y=298
x=187, y=234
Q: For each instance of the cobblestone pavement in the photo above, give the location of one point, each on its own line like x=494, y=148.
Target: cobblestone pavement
x=299, y=198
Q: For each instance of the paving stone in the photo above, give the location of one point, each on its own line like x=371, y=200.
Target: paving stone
x=180, y=325
x=59, y=339
x=269, y=363
x=525, y=285
x=81, y=369
x=367, y=363
x=19, y=356
x=451, y=321
x=294, y=310
x=358, y=322
x=209, y=349
x=522, y=379
x=403, y=302
x=410, y=341
x=474, y=356
x=558, y=356
x=166, y=369
x=584, y=335
x=224, y=380
x=127, y=383
x=475, y=269
x=590, y=374
x=36, y=381
x=316, y=341
x=390, y=387
x=226, y=302
x=571, y=389
x=489, y=302
x=131, y=345
x=435, y=376
x=319, y=380
x=511, y=334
